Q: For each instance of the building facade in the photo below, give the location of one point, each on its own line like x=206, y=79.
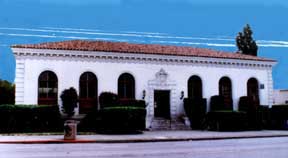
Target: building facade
x=280, y=96
x=138, y=71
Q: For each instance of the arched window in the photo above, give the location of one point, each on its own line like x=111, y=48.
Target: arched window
x=126, y=86
x=253, y=90
x=225, y=90
x=47, y=88
x=194, y=87
x=88, y=91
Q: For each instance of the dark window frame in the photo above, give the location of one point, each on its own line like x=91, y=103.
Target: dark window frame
x=126, y=86
x=47, y=88
x=195, y=87
x=88, y=92
x=253, y=89
x=225, y=90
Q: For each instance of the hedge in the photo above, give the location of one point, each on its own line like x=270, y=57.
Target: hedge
x=246, y=104
x=107, y=99
x=227, y=120
x=217, y=103
x=195, y=110
x=121, y=119
x=279, y=117
x=258, y=116
x=132, y=103
x=30, y=118
x=91, y=122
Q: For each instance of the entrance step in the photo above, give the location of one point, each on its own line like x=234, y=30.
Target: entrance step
x=168, y=124
x=177, y=124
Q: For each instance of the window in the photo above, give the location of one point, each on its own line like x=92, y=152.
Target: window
x=126, y=86
x=88, y=88
x=225, y=90
x=253, y=90
x=194, y=87
x=47, y=88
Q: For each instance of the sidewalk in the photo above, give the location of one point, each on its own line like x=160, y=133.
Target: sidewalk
x=147, y=136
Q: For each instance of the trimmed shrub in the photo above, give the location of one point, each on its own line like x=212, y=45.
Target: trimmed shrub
x=195, y=110
x=263, y=117
x=122, y=119
x=69, y=99
x=217, y=102
x=258, y=116
x=108, y=99
x=132, y=103
x=227, y=120
x=246, y=104
x=90, y=122
x=30, y=118
x=279, y=116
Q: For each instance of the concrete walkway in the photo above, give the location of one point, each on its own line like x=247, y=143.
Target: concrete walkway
x=147, y=136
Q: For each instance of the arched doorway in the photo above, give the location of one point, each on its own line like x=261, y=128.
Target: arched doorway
x=88, y=92
x=47, y=88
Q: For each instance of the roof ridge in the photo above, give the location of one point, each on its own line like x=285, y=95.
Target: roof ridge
x=140, y=48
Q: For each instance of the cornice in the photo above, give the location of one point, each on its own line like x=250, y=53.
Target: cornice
x=146, y=58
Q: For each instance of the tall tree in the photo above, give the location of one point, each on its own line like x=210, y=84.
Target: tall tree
x=245, y=42
x=7, y=92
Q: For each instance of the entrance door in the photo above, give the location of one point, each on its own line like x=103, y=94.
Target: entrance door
x=162, y=103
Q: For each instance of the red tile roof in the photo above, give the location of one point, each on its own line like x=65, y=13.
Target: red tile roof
x=123, y=47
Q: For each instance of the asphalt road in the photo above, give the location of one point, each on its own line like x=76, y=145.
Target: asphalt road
x=233, y=148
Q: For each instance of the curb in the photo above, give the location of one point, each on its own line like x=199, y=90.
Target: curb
x=62, y=141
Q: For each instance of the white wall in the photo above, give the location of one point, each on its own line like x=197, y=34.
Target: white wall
x=69, y=71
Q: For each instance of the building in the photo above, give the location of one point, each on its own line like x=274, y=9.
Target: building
x=281, y=96
x=161, y=75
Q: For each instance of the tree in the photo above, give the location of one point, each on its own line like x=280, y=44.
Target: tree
x=7, y=92
x=245, y=43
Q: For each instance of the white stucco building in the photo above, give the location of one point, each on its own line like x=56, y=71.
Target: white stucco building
x=280, y=96
x=138, y=71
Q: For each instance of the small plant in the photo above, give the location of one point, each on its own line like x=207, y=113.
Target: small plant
x=69, y=99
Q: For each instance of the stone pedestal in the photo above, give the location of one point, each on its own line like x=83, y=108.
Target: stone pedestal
x=70, y=130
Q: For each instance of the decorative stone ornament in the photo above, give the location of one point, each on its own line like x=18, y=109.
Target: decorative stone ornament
x=162, y=75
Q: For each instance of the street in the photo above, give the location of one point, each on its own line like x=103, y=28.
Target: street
x=236, y=148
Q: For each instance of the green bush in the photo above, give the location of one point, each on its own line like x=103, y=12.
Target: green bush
x=258, y=116
x=195, y=110
x=263, y=117
x=132, y=103
x=217, y=103
x=107, y=99
x=279, y=116
x=7, y=92
x=122, y=119
x=226, y=120
x=90, y=122
x=29, y=118
x=246, y=104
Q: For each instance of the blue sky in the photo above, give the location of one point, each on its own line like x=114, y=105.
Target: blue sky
x=196, y=23
x=113, y=2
